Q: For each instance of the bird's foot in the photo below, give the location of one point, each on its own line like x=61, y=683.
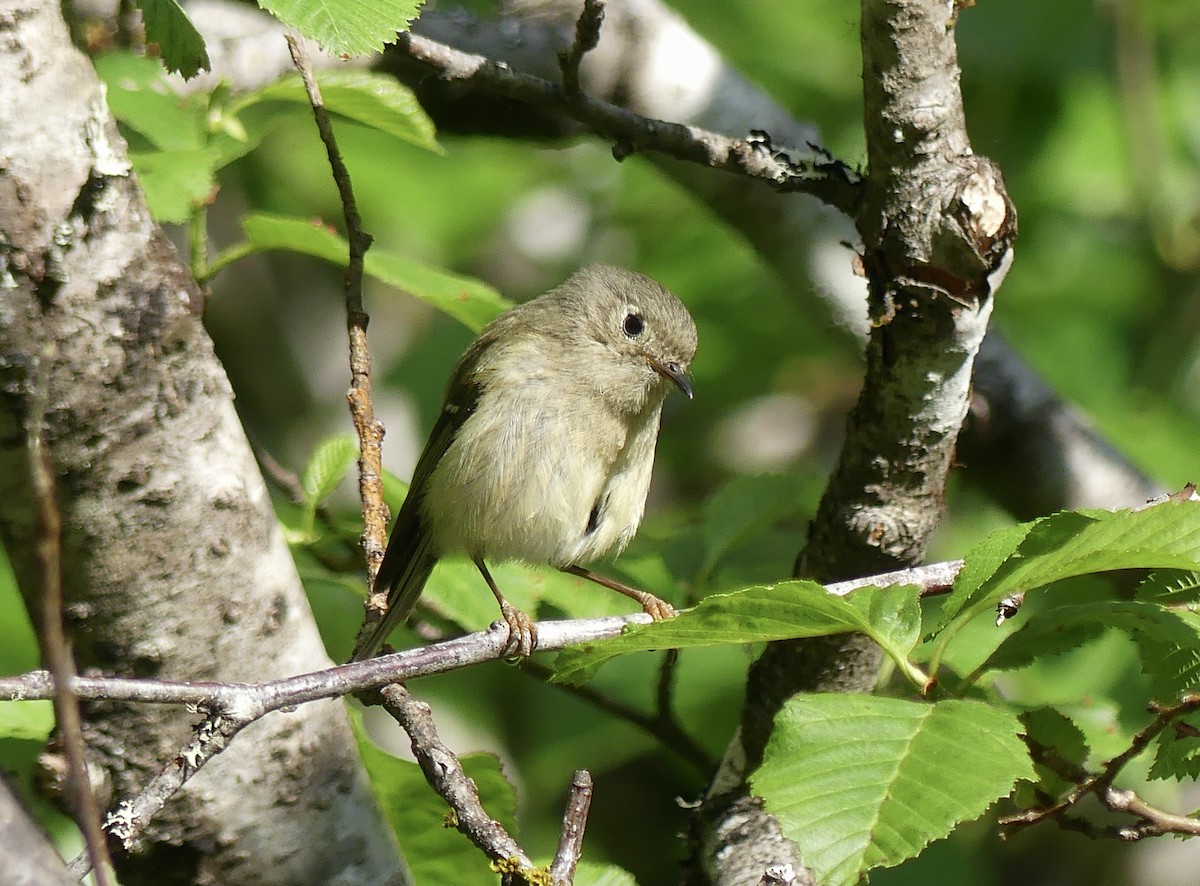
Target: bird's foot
x=522, y=632
x=654, y=607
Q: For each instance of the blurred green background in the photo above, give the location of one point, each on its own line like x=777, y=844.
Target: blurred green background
x=1092, y=110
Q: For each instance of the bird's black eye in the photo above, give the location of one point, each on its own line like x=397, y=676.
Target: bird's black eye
x=633, y=324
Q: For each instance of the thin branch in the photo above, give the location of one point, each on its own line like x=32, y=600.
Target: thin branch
x=209, y=737
x=754, y=156
x=55, y=649
x=1152, y=820
x=667, y=731
x=587, y=35
x=570, y=843
x=446, y=776
x=362, y=411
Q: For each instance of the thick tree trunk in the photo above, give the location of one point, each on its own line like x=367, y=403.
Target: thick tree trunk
x=174, y=563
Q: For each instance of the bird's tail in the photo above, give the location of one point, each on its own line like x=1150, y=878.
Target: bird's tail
x=405, y=568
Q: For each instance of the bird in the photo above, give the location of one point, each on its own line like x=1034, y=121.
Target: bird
x=544, y=446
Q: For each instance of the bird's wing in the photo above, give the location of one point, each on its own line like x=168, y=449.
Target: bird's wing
x=410, y=555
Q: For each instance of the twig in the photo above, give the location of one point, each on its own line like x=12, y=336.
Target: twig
x=55, y=650
x=209, y=737
x=587, y=35
x=283, y=477
x=817, y=174
x=667, y=731
x=570, y=841
x=362, y=412
x=1152, y=820
x=666, y=683
x=446, y=776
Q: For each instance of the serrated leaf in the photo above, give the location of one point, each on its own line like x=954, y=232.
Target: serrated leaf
x=327, y=466
x=860, y=782
x=890, y=616
x=180, y=43
x=1173, y=662
x=744, y=507
x=1051, y=728
x=26, y=720
x=1166, y=536
x=1171, y=587
x=472, y=303
x=374, y=100
x=1067, y=627
x=1177, y=753
x=1058, y=736
x=346, y=27
x=435, y=853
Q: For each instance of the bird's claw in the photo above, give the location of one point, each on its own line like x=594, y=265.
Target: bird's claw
x=657, y=609
x=522, y=632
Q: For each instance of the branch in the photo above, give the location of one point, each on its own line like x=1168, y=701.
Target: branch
x=754, y=156
x=661, y=726
x=570, y=844
x=446, y=776
x=231, y=707
x=55, y=650
x=587, y=35
x=1152, y=821
x=409, y=664
x=362, y=410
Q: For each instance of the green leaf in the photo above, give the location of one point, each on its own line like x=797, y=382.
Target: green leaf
x=467, y=300
x=1057, y=736
x=890, y=616
x=435, y=852
x=860, y=782
x=1166, y=536
x=26, y=720
x=1067, y=627
x=1177, y=753
x=742, y=508
x=181, y=45
x=174, y=182
x=346, y=27
x=374, y=100
x=1171, y=587
x=141, y=98
x=327, y=466
x=472, y=303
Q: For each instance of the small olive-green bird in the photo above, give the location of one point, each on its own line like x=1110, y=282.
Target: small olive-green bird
x=545, y=443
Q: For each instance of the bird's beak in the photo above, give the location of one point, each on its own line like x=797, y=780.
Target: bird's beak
x=673, y=373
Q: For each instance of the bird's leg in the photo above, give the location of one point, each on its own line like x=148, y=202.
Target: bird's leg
x=522, y=632
x=657, y=609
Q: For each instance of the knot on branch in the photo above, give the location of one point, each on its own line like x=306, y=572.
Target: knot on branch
x=977, y=228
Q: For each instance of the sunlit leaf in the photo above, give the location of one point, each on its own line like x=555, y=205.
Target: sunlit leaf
x=860, y=782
